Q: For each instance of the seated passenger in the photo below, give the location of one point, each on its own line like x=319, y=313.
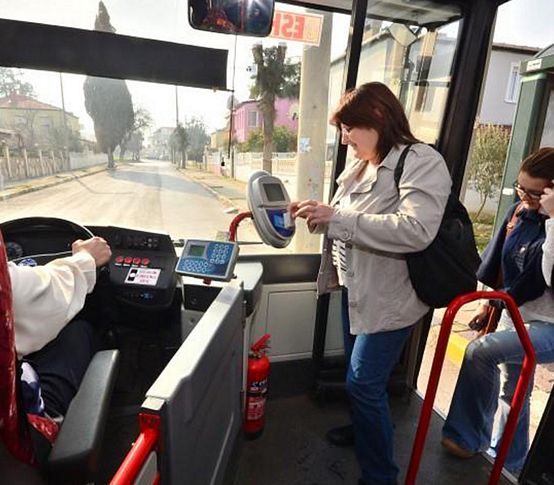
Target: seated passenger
x=518, y=260
x=54, y=350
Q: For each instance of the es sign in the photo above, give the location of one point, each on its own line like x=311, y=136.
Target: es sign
x=301, y=27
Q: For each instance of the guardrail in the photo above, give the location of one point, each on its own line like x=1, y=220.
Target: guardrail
x=145, y=443
x=517, y=401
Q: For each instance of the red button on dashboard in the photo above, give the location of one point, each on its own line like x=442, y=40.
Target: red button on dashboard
x=145, y=261
x=136, y=260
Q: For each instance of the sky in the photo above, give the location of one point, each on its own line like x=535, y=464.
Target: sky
x=519, y=22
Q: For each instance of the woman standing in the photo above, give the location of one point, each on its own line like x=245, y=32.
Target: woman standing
x=519, y=261
x=368, y=227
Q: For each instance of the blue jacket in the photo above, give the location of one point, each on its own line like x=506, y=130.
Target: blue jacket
x=520, y=257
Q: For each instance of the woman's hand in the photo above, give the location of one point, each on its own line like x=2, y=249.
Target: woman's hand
x=547, y=201
x=313, y=211
x=479, y=319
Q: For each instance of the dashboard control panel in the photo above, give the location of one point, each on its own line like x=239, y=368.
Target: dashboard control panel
x=142, y=266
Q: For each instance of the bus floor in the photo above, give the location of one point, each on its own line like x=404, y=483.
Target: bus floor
x=293, y=451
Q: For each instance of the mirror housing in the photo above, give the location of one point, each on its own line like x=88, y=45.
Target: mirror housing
x=241, y=17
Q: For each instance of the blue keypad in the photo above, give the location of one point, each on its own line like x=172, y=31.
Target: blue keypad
x=214, y=263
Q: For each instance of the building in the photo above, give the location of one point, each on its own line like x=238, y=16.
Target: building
x=502, y=83
x=421, y=81
x=40, y=125
x=247, y=117
x=159, y=143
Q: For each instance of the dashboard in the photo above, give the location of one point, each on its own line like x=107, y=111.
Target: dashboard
x=141, y=269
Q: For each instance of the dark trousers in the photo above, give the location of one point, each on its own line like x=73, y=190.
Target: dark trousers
x=62, y=363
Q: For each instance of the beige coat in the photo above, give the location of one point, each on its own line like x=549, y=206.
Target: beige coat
x=379, y=227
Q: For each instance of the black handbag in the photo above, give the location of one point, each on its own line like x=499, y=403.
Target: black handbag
x=448, y=266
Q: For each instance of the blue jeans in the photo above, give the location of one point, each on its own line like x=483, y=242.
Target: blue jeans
x=371, y=359
x=479, y=391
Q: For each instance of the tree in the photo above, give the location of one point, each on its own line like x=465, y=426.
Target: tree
x=135, y=144
x=11, y=83
x=178, y=144
x=254, y=142
x=197, y=137
x=284, y=140
x=141, y=119
x=274, y=78
x=488, y=155
x=108, y=101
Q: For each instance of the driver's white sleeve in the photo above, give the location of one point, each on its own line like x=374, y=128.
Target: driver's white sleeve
x=46, y=298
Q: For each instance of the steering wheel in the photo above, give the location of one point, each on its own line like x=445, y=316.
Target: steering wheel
x=35, y=227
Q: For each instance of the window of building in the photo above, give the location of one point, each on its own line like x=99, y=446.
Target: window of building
x=512, y=89
x=252, y=119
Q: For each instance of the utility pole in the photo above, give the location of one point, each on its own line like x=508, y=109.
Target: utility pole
x=176, y=106
x=312, y=128
x=65, y=135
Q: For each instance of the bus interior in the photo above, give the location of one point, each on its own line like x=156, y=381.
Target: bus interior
x=183, y=344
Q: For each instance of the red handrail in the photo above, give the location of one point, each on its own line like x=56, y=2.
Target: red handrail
x=233, y=226
x=440, y=351
x=143, y=445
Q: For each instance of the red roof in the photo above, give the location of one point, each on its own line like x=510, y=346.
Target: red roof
x=20, y=101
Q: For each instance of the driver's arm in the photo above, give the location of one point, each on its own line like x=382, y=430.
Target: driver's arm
x=46, y=298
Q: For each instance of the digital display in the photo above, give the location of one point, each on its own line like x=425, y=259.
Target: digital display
x=274, y=192
x=195, y=250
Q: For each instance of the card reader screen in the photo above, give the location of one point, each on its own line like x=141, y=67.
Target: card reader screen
x=274, y=192
x=196, y=250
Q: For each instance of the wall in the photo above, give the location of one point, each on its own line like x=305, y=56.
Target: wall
x=494, y=107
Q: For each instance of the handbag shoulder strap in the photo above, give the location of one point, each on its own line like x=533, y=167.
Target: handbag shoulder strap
x=400, y=166
x=512, y=222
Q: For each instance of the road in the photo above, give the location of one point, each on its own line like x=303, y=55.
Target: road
x=150, y=195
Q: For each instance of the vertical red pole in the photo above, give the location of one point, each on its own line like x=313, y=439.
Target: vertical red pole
x=438, y=360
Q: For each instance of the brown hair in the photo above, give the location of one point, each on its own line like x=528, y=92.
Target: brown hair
x=540, y=164
x=373, y=105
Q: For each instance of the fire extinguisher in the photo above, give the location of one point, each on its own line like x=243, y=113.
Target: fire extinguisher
x=256, y=388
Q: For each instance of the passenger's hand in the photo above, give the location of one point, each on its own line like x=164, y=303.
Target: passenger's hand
x=97, y=247
x=547, y=201
x=314, y=212
x=478, y=321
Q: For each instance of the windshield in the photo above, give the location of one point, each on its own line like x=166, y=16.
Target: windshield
x=176, y=159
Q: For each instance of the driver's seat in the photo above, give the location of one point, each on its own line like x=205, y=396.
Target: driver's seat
x=74, y=455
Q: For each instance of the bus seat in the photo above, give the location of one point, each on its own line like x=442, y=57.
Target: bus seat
x=75, y=453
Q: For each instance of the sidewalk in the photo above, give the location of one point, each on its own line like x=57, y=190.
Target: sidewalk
x=231, y=192
x=30, y=185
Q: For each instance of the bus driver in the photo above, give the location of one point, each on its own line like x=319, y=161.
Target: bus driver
x=54, y=350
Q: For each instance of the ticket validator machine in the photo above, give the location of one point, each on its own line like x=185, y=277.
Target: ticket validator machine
x=268, y=201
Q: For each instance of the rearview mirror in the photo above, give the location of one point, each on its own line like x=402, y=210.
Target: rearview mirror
x=243, y=17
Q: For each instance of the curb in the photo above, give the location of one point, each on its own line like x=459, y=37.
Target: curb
x=456, y=348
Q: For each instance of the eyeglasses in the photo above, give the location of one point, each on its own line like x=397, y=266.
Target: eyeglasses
x=532, y=194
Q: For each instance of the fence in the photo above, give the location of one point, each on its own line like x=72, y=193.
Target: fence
x=17, y=164
x=246, y=163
